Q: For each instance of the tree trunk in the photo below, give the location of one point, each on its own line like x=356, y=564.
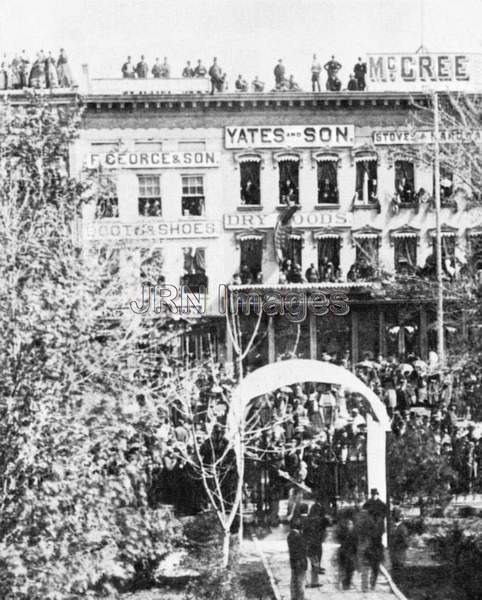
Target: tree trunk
x=226, y=540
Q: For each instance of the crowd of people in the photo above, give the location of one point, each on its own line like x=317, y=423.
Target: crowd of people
x=282, y=82
x=359, y=533
x=45, y=71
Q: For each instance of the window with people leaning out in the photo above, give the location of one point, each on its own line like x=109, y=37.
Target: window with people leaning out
x=328, y=261
x=151, y=266
x=194, y=279
x=107, y=206
x=446, y=183
x=149, y=196
x=365, y=267
x=192, y=195
x=327, y=182
x=405, y=255
x=250, y=262
x=366, y=182
x=250, y=183
x=288, y=182
x=404, y=181
x=291, y=269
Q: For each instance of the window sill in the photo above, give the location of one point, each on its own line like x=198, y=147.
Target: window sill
x=408, y=205
x=249, y=207
x=327, y=206
x=199, y=217
x=285, y=206
x=365, y=206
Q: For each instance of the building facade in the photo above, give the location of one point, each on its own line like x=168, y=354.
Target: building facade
x=197, y=187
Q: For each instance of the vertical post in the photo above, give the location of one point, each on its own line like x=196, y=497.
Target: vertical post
x=382, y=338
x=271, y=341
x=440, y=306
x=423, y=333
x=313, y=348
x=354, y=338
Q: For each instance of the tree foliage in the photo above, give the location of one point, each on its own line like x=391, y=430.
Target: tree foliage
x=75, y=447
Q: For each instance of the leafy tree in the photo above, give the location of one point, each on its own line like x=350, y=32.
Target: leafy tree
x=76, y=449
x=417, y=468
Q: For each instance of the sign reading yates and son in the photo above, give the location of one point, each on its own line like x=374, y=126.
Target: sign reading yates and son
x=153, y=160
x=286, y=136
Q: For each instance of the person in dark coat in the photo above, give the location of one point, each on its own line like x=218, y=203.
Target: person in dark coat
x=298, y=557
x=142, y=69
x=377, y=509
x=352, y=84
x=360, y=70
x=347, y=552
x=279, y=73
x=200, y=70
x=314, y=531
x=188, y=71
x=215, y=73
x=398, y=540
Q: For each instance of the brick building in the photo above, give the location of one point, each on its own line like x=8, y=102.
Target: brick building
x=197, y=184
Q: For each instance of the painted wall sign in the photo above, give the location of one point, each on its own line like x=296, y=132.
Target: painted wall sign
x=412, y=72
x=153, y=160
x=151, y=230
x=424, y=136
x=299, y=219
x=291, y=136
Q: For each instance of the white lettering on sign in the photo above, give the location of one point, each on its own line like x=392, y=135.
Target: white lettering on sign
x=153, y=160
x=425, y=136
x=292, y=136
x=151, y=229
x=421, y=71
x=324, y=218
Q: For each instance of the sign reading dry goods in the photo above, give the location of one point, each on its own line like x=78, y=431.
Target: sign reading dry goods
x=153, y=160
x=412, y=72
x=157, y=230
x=425, y=136
x=292, y=136
x=299, y=219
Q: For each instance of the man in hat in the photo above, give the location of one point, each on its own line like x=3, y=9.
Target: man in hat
x=298, y=557
x=398, y=540
x=377, y=510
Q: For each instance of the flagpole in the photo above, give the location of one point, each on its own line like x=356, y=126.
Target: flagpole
x=438, y=234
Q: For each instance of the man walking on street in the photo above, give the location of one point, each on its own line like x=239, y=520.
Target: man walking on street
x=298, y=558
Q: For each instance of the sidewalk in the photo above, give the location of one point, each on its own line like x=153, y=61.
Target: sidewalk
x=275, y=549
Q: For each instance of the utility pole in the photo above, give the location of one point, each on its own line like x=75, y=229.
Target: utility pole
x=438, y=235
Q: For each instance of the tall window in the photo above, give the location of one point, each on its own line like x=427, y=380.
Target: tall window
x=107, y=204
x=405, y=259
x=327, y=182
x=446, y=182
x=149, y=195
x=367, y=251
x=448, y=253
x=404, y=180
x=475, y=260
x=328, y=258
x=192, y=195
x=366, y=181
x=250, y=182
x=294, y=251
x=152, y=266
x=194, y=278
x=251, y=261
x=288, y=181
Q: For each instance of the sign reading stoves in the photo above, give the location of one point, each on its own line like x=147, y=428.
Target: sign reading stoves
x=283, y=136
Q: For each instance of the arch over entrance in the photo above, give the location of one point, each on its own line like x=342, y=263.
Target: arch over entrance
x=288, y=372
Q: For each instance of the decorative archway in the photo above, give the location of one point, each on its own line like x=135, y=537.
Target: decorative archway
x=275, y=375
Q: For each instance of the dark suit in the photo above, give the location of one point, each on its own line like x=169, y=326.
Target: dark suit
x=360, y=70
x=298, y=563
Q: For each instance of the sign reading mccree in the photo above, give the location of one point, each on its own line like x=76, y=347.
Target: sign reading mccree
x=291, y=136
x=412, y=72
